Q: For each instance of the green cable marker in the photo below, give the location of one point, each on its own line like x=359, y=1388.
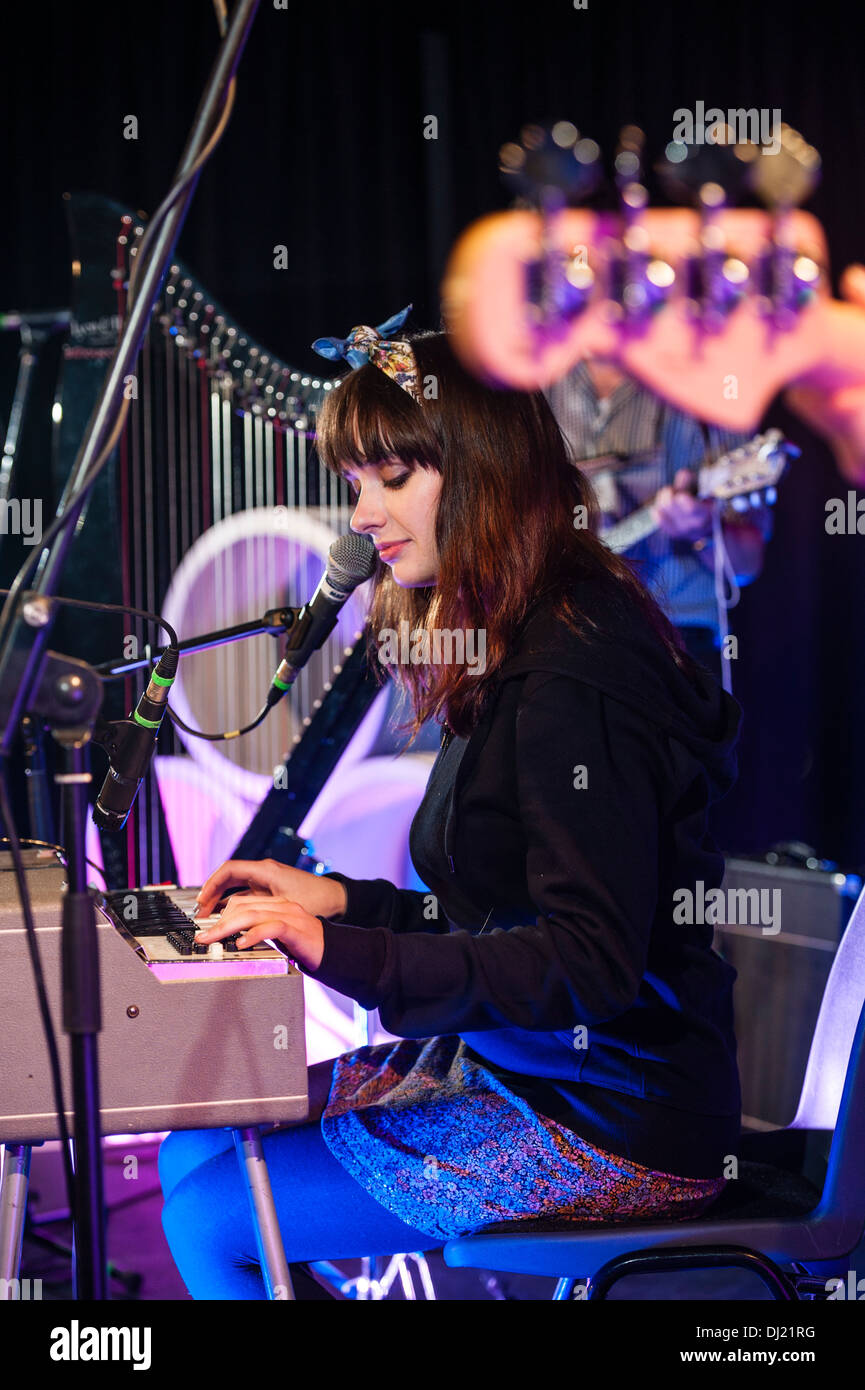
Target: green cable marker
x=147, y=723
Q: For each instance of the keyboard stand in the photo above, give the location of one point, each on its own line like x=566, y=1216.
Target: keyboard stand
x=14, y=1188
x=271, y=1252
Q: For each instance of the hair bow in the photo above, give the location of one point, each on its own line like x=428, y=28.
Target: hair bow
x=364, y=344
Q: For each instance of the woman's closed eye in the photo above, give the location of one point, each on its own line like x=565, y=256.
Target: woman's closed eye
x=391, y=483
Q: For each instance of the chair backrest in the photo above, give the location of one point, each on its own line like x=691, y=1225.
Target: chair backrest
x=843, y=1199
x=835, y=1031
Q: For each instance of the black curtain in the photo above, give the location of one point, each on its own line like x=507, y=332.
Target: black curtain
x=326, y=155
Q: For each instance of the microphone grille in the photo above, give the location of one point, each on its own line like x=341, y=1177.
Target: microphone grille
x=351, y=560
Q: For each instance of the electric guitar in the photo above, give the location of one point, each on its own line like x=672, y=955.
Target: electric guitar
x=746, y=476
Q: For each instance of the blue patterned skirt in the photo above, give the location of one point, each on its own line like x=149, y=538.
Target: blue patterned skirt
x=445, y=1146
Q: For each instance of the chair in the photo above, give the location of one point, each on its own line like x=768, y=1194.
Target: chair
x=793, y=1215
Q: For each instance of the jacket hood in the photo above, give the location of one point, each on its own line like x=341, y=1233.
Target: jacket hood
x=626, y=659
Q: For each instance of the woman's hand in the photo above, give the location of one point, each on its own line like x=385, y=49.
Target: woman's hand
x=322, y=897
x=264, y=917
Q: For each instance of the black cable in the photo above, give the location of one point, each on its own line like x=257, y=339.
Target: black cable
x=142, y=613
x=42, y=995
x=95, y=866
x=219, y=738
x=108, y=608
x=160, y=621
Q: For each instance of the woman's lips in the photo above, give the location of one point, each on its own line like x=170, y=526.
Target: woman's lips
x=390, y=552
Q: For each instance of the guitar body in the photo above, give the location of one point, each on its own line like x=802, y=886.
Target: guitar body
x=726, y=375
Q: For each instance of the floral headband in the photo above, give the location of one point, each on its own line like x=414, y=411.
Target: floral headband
x=364, y=344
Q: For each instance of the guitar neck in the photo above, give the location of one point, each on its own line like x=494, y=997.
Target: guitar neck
x=631, y=531
x=639, y=524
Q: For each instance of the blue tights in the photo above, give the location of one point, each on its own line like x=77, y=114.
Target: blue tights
x=323, y=1213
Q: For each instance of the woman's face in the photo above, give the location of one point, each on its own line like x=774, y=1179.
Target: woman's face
x=396, y=507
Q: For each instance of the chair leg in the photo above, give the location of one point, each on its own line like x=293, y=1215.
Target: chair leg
x=564, y=1289
x=666, y=1260
x=271, y=1251
x=13, y=1206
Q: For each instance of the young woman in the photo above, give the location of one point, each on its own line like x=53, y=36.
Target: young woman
x=566, y=1045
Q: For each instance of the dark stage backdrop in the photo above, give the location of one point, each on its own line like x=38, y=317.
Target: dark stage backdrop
x=325, y=154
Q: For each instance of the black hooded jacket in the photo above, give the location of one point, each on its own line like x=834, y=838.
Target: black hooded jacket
x=553, y=841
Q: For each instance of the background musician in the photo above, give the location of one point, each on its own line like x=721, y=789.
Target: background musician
x=653, y=450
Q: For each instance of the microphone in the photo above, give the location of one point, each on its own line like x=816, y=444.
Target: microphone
x=131, y=749
x=350, y=561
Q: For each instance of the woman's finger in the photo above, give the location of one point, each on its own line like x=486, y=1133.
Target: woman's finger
x=250, y=900
x=235, y=873
x=243, y=917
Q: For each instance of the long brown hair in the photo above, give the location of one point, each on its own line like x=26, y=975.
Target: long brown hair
x=507, y=526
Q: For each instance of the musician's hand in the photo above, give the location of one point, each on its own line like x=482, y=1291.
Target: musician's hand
x=321, y=896
x=261, y=917
x=679, y=513
x=832, y=402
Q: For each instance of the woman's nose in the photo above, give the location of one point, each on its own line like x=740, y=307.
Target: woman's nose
x=368, y=515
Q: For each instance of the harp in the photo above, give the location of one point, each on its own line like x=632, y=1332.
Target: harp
x=216, y=509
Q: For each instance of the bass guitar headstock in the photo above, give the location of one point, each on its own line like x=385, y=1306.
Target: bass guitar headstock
x=714, y=308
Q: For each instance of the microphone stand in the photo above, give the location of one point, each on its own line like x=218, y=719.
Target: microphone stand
x=24, y=663
x=273, y=622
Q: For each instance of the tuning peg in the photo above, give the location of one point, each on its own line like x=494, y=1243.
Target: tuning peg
x=551, y=166
x=782, y=178
x=640, y=283
x=708, y=175
x=628, y=162
x=704, y=175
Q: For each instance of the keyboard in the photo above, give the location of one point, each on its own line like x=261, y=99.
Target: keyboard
x=160, y=920
x=189, y=1040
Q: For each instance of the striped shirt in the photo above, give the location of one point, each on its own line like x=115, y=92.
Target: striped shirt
x=653, y=441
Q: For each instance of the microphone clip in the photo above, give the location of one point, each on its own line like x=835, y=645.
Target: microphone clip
x=122, y=741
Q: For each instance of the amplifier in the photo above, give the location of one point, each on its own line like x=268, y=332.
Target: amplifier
x=781, y=930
